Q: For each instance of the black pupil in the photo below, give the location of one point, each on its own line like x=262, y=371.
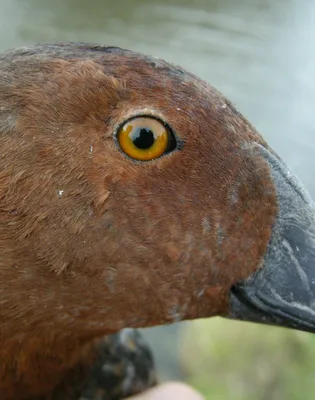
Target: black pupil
x=143, y=138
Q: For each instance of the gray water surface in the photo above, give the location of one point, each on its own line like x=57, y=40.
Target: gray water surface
x=259, y=53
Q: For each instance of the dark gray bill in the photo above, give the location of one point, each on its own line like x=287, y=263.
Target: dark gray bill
x=282, y=291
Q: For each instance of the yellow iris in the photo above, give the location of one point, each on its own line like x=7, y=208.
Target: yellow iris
x=143, y=138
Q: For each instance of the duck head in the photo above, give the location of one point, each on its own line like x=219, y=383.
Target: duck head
x=134, y=194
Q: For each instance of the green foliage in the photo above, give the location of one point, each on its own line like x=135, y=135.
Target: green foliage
x=244, y=361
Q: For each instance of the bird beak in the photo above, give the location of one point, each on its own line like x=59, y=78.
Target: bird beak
x=282, y=291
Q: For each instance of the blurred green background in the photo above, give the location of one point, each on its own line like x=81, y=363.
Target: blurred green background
x=245, y=361
x=261, y=54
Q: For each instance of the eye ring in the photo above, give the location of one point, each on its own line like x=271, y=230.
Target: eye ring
x=145, y=138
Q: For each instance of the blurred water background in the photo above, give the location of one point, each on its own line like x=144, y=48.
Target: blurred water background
x=260, y=54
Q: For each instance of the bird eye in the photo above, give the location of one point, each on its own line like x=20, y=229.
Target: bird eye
x=145, y=138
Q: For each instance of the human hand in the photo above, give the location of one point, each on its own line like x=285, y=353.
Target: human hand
x=169, y=391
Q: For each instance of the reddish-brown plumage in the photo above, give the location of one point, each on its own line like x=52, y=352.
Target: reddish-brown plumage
x=92, y=241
